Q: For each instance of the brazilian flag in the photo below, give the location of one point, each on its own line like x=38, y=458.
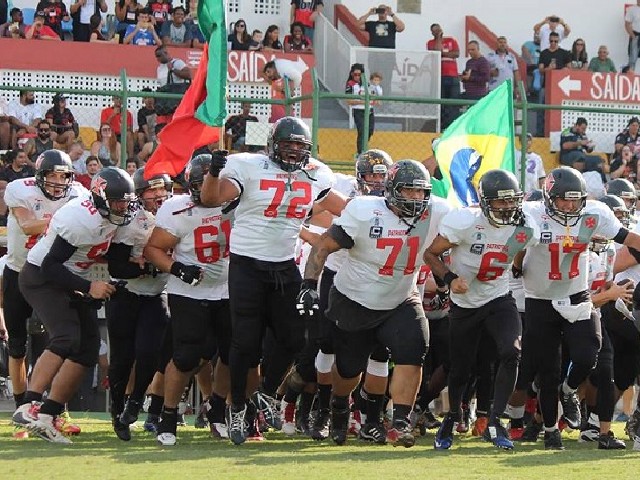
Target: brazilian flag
x=482, y=139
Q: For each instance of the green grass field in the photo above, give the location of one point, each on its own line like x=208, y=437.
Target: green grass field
x=97, y=454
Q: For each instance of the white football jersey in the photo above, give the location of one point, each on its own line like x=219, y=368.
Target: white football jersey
x=25, y=193
x=203, y=235
x=273, y=204
x=557, y=266
x=601, y=268
x=483, y=254
x=348, y=186
x=136, y=235
x=79, y=223
x=382, y=267
x=633, y=272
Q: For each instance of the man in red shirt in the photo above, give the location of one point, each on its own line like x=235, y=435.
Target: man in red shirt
x=276, y=82
x=449, y=83
x=40, y=31
x=113, y=117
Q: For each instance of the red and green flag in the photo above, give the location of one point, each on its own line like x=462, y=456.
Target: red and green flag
x=202, y=111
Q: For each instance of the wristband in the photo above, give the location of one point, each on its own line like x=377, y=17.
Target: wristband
x=449, y=277
x=309, y=283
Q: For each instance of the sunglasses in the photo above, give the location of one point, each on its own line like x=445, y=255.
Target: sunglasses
x=241, y=25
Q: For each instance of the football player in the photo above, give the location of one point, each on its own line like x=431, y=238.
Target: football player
x=373, y=300
x=31, y=202
x=483, y=243
x=557, y=300
x=197, y=288
x=136, y=314
x=54, y=282
x=275, y=192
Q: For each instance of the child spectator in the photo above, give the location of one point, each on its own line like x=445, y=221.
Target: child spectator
x=256, y=40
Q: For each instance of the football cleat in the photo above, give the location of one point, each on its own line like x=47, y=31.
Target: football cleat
x=166, y=439
x=444, y=436
x=288, y=418
x=553, y=440
x=26, y=414
x=45, y=428
x=374, y=432
x=235, y=424
x=401, y=434
x=320, y=427
x=608, y=441
x=498, y=435
x=570, y=409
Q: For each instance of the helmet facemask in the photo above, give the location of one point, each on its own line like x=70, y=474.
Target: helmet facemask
x=509, y=213
x=54, y=190
x=291, y=159
x=410, y=207
x=567, y=219
x=373, y=188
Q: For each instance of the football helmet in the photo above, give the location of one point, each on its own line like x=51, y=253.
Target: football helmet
x=564, y=183
x=158, y=181
x=407, y=174
x=113, y=195
x=369, y=163
x=501, y=186
x=290, y=129
x=618, y=207
x=623, y=188
x=54, y=161
x=194, y=174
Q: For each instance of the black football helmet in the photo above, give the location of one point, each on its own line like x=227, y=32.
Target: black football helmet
x=568, y=184
x=618, y=207
x=501, y=185
x=533, y=196
x=158, y=181
x=290, y=129
x=113, y=195
x=623, y=188
x=407, y=174
x=371, y=162
x=54, y=161
x=194, y=174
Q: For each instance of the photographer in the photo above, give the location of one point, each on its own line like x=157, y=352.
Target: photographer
x=382, y=32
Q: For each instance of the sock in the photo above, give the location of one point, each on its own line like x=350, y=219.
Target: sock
x=50, y=407
x=19, y=398
x=32, y=397
x=216, y=412
x=155, y=407
x=306, y=401
x=373, y=407
x=324, y=396
x=291, y=395
x=340, y=403
x=401, y=412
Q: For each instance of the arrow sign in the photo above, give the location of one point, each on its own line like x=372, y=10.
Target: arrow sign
x=567, y=85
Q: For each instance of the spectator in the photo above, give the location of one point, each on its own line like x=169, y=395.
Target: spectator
x=132, y=165
x=142, y=33
x=24, y=115
x=476, y=73
x=146, y=120
x=150, y=147
x=575, y=148
x=602, y=63
x=579, y=59
x=534, y=168
x=625, y=165
x=354, y=86
x=96, y=24
x=256, y=40
x=170, y=70
x=62, y=121
x=159, y=11
x=306, y=14
x=552, y=58
x=271, y=41
x=78, y=157
x=112, y=116
x=632, y=26
x=127, y=14
x=629, y=136
x=92, y=166
x=240, y=39
x=297, y=41
x=175, y=32
x=382, y=32
x=236, y=128
x=17, y=167
x=81, y=12
x=106, y=148
x=449, y=81
x=504, y=65
x=531, y=51
x=276, y=82
x=551, y=24
x=40, y=31
x=16, y=27
x=41, y=143
x=55, y=12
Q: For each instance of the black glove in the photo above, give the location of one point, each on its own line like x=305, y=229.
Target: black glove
x=150, y=269
x=218, y=161
x=190, y=274
x=440, y=300
x=307, y=300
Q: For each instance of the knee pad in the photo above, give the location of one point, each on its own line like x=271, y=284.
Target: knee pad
x=379, y=369
x=324, y=362
x=17, y=347
x=186, y=358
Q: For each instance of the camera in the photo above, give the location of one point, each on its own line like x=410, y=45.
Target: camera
x=381, y=11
